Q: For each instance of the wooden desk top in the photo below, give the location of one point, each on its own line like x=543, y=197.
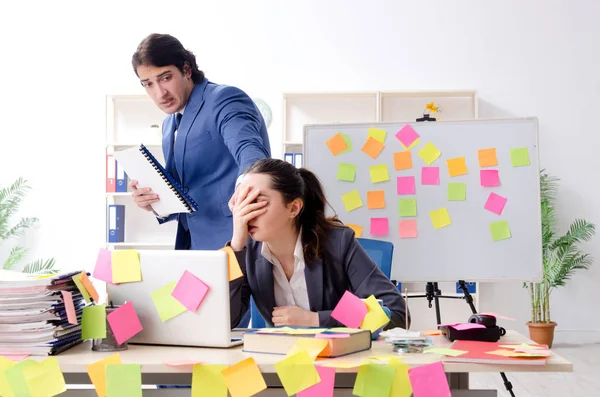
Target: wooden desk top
x=152, y=358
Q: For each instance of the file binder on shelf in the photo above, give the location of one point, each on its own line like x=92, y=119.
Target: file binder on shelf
x=289, y=157
x=141, y=165
x=116, y=223
x=121, y=180
x=110, y=173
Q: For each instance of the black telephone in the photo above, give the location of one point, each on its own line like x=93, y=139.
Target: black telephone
x=491, y=332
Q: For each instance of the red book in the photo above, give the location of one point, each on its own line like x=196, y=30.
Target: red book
x=478, y=352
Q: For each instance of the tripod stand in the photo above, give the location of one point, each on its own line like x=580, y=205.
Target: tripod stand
x=433, y=293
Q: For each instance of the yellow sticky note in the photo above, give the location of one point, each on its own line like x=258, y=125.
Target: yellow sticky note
x=276, y=330
x=312, y=345
x=352, y=200
x=457, y=166
x=429, y=153
x=45, y=378
x=297, y=372
x=523, y=346
x=126, y=266
x=357, y=229
x=244, y=379
x=500, y=352
x=376, y=317
x=208, y=381
x=306, y=331
x=446, y=351
x=379, y=173
x=341, y=364
x=97, y=373
x=440, y=218
x=374, y=380
x=344, y=330
x=401, y=386
x=81, y=287
x=15, y=378
x=377, y=134
x=235, y=271
x=402, y=160
x=372, y=147
x=412, y=145
x=5, y=364
x=487, y=157
x=167, y=306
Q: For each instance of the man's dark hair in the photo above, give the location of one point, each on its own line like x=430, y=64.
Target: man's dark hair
x=164, y=50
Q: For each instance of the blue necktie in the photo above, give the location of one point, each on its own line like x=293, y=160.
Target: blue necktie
x=178, y=117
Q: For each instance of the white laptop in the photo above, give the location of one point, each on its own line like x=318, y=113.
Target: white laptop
x=209, y=326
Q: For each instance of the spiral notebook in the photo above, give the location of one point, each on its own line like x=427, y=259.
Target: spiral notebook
x=140, y=164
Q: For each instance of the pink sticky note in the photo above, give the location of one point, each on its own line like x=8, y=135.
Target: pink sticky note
x=190, y=291
x=495, y=203
x=103, y=269
x=429, y=380
x=379, y=226
x=331, y=336
x=405, y=184
x=124, y=322
x=489, y=178
x=182, y=363
x=408, y=228
x=462, y=327
x=350, y=310
x=69, y=307
x=324, y=388
x=430, y=175
x=407, y=135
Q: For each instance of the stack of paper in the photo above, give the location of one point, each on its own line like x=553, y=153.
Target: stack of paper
x=39, y=314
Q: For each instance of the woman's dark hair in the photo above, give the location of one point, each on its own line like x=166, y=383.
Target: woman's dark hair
x=301, y=183
x=164, y=50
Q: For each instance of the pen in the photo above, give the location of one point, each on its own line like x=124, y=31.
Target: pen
x=406, y=314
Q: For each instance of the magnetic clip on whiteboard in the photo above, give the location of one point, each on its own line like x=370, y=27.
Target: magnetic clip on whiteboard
x=426, y=117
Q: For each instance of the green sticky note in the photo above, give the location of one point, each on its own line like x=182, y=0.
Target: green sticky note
x=401, y=387
x=379, y=173
x=45, y=378
x=207, y=381
x=352, y=200
x=374, y=380
x=297, y=372
x=407, y=207
x=519, y=157
x=377, y=134
x=500, y=230
x=167, y=306
x=16, y=379
x=81, y=288
x=346, y=172
x=348, y=144
x=93, y=322
x=5, y=364
x=457, y=191
x=123, y=380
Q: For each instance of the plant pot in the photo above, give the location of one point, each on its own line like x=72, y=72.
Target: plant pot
x=542, y=333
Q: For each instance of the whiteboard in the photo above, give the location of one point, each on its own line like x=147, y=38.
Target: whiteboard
x=466, y=248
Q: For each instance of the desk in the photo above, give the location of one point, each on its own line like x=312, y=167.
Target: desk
x=74, y=361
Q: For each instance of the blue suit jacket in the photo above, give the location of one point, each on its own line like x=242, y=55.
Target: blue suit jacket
x=221, y=133
x=345, y=266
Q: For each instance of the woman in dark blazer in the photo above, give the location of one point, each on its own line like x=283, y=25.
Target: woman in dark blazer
x=296, y=262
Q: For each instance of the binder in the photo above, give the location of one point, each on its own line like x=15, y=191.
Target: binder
x=111, y=174
x=116, y=223
x=298, y=160
x=289, y=157
x=471, y=287
x=121, y=177
x=141, y=165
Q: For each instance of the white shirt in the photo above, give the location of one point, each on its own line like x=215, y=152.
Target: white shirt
x=293, y=292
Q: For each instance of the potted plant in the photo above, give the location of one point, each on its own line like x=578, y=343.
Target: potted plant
x=562, y=256
x=10, y=199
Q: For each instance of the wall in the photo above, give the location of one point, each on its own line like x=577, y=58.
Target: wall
x=534, y=58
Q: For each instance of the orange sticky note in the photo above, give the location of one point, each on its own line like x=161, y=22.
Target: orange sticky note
x=97, y=373
x=375, y=199
x=487, y=157
x=234, y=267
x=90, y=287
x=244, y=379
x=457, y=166
x=402, y=160
x=372, y=147
x=357, y=229
x=337, y=144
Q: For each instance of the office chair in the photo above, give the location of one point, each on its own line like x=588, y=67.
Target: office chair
x=381, y=252
x=256, y=320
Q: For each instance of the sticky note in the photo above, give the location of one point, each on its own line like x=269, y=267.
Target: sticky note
x=126, y=266
x=495, y=203
x=344, y=330
x=313, y=346
x=208, y=381
x=446, y=351
x=324, y=388
x=500, y=230
x=45, y=378
x=124, y=322
x=407, y=228
x=405, y=185
x=407, y=135
x=103, y=269
x=440, y=218
x=5, y=364
x=372, y=147
x=379, y=173
x=333, y=335
x=346, y=172
x=375, y=199
x=379, y=226
x=15, y=379
x=430, y=175
x=401, y=385
x=81, y=288
x=415, y=143
x=402, y=161
x=234, y=269
x=374, y=380
x=407, y=207
x=342, y=364
x=190, y=291
x=123, y=380
x=487, y=157
x=429, y=380
x=336, y=144
x=429, y=153
x=357, y=229
x=352, y=200
x=244, y=379
x=489, y=178
x=167, y=306
x=297, y=372
x=306, y=331
x=519, y=157
x=97, y=372
x=457, y=166
x=350, y=310
x=348, y=144
x=69, y=307
x=182, y=363
x=462, y=327
x=93, y=322
x=377, y=134
x=89, y=287
x=375, y=317
x=457, y=191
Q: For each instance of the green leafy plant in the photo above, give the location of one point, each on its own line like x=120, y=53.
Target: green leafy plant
x=562, y=255
x=10, y=200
